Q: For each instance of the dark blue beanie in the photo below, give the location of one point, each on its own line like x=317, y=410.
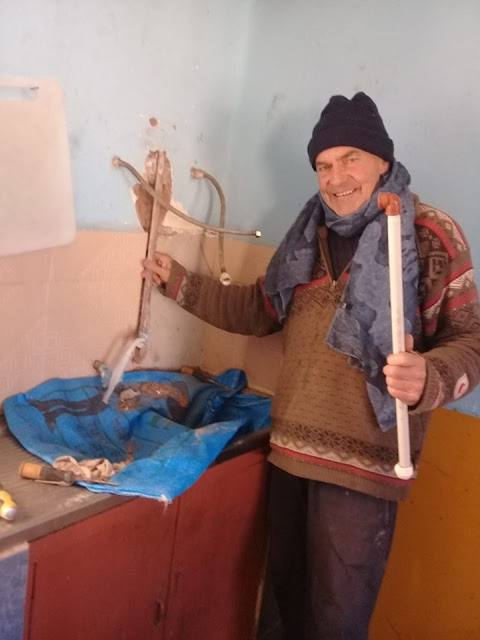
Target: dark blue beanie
x=351, y=123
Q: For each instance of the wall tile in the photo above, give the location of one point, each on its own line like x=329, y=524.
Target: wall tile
x=63, y=308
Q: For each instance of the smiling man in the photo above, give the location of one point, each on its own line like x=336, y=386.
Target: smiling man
x=334, y=491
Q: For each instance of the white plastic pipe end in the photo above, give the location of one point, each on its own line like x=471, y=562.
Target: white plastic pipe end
x=404, y=473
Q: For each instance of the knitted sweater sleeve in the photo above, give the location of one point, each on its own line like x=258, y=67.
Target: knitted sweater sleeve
x=243, y=309
x=449, y=310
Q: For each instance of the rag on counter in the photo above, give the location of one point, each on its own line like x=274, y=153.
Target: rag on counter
x=172, y=425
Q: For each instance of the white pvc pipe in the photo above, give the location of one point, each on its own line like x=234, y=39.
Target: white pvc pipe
x=404, y=467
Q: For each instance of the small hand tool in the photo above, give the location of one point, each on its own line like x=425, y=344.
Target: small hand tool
x=48, y=474
x=204, y=377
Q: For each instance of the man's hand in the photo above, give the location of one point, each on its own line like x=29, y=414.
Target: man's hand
x=160, y=268
x=406, y=374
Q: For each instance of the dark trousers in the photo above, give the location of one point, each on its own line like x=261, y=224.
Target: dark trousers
x=328, y=551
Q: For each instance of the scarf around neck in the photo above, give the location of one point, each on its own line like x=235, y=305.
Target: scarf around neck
x=361, y=327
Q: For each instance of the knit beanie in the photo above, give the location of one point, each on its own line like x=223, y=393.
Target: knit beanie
x=351, y=123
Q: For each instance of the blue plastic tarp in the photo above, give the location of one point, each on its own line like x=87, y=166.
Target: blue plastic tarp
x=173, y=424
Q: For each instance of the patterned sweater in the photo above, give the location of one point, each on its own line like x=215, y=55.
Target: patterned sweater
x=323, y=426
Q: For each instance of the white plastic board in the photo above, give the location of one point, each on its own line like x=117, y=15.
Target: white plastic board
x=36, y=195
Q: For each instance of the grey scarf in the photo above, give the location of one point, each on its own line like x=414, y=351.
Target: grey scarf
x=361, y=327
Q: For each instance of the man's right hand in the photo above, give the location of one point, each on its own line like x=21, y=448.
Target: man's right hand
x=160, y=268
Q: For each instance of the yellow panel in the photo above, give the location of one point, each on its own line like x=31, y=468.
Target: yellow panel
x=431, y=589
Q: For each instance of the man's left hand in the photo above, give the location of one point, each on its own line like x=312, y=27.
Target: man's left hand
x=406, y=374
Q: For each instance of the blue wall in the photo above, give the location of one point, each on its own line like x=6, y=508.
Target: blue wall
x=420, y=61
x=236, y=87
x=121, y=62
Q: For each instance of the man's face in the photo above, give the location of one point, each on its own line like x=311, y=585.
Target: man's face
x=347, y=177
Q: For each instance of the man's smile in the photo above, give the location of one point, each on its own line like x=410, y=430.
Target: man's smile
x=341, y=194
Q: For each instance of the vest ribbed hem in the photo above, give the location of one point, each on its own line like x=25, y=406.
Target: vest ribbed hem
x=321, y=472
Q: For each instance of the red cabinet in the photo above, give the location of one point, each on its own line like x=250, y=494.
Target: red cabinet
x=143, y=570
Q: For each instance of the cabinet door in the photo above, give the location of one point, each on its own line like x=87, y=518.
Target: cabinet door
x=219, y=553
x=105, y=577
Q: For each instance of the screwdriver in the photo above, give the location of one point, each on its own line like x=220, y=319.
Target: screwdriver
x=49, y=474
x=45, y=473
x=8, y=508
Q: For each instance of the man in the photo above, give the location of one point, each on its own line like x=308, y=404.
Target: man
x=334, y=491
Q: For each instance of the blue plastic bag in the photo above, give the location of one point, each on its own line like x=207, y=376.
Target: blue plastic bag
x=173, y=425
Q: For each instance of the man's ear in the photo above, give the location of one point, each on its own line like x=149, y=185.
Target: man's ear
x=386, y=169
